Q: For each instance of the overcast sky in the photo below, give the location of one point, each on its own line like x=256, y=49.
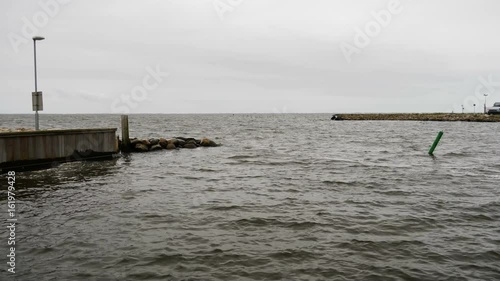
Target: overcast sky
x=234, y=56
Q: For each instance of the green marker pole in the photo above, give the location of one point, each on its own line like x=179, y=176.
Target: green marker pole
x=438, y=138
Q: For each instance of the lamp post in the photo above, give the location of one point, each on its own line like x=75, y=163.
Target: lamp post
x=474, y=108
x=37, y=97
x=485, y=95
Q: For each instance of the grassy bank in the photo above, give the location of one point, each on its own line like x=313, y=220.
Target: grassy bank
x=467, y=117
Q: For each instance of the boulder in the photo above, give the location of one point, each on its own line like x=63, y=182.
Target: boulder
x=134, y=141
x=163, y=142
x=207, y=143
x=190, y=144
x=173, y=141
x=181, y=143
x=156, y=147
x=171, y=146
x=141, y=147
x=154, y=142
x=146, y=143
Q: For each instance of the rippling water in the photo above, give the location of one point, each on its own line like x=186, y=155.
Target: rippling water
x=287, y=197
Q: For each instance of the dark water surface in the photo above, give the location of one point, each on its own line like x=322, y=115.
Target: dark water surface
x=287, y=197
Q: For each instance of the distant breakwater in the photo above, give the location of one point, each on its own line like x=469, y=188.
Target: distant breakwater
x=463, y=117
x=155, y=144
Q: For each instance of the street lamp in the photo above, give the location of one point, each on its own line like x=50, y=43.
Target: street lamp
x=474, y=108
x=37, y=96
x=485, y=95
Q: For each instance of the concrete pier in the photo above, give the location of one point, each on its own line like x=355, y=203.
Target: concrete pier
x=34, y=149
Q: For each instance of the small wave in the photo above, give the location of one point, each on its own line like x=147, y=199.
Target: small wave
x=248, y=177
x=237, y=157
x=192, y=178
x=245, y=161
x=213, y=180
x=206, y=170
x=412, y=224
x=255, y=222
x=492, y=255
x=457, y=154
x=380, y=246
x=123, y=261
x=264, y=222
x=476, y=217
x=227, y=259
x=163, y=259
x=43, y=250
x=303, y=225
x=152, y=216
x=148, y=275
x=492, y=207
x=395, y=192
x=224, y=208
x=339, y=182
x=292, y=254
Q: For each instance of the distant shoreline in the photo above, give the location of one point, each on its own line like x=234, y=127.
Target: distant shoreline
x=463, y=117
x=446, y=117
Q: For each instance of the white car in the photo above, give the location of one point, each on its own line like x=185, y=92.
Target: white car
x=495, y=109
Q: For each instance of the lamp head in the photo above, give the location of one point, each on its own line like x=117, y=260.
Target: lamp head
x=38, y=38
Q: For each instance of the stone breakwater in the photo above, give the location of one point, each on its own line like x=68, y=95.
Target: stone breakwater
x=154, y=144
x=467, y=117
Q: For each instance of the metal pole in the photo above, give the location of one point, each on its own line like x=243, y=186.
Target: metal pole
x=37, y=127
x=485, y=95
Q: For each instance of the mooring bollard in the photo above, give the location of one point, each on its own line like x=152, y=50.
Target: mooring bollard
x=436, y=141
x=125, y=136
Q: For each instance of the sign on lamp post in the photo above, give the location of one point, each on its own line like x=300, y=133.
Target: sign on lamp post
x=37, y=98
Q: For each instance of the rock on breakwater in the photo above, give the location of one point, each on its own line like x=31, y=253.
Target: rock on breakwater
x=155, y=144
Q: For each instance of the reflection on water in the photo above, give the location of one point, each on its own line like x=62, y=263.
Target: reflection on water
x=30, y=184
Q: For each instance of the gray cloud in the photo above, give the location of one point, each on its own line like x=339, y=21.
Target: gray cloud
x=263, y=57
